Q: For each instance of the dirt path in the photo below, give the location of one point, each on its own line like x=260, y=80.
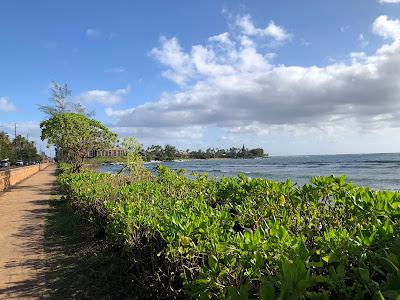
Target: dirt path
x=22, y=215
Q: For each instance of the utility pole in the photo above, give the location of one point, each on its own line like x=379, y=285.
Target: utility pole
x=15, y=130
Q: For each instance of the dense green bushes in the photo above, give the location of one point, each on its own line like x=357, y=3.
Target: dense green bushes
x=243, y=238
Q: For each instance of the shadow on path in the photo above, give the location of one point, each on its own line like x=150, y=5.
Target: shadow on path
x=22, y=260
x=26, y=266
x=79, y=265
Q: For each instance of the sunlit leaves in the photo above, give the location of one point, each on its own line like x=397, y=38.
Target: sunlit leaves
x=243, y=238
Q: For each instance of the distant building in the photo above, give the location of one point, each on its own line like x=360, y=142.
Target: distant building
x=112, y=152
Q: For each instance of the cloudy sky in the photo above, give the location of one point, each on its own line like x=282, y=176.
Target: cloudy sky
x=294, y=77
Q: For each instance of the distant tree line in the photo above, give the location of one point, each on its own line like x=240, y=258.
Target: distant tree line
x=169, y=152
x=19, y=148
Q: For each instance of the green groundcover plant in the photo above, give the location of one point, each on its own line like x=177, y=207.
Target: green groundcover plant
x=243, y=238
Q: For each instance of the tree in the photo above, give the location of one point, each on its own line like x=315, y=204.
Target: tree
x=24, y=149
x=20, y=148
x=134, y=161
x=5, y=146
x=257, y=152
x=60, y=99
x=155, y=152
x=170, y=152
x=74, y=135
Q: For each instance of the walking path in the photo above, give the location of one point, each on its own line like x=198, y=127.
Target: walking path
x=22, y=216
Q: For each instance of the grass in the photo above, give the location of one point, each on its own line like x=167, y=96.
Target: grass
x=79, y=263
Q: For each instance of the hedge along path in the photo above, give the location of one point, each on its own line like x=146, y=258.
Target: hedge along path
x=22, y=218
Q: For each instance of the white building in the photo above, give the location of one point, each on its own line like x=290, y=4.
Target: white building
x=112, y=152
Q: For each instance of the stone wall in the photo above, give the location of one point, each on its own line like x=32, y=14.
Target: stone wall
x=11, y=177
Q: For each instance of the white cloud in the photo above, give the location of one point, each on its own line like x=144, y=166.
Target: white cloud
x=272, y=30
x=221, y=38
x=227, y=83
x=92, y=33
x=389, y=1
x=219, y=56
x=118, y=113
x=163, y=136
x=104, y=97
x=6, y=105
x=387, y=28
x=172, y=55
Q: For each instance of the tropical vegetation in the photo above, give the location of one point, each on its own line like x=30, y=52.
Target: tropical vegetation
x=236, y=237
x=19, y=148
x=169, y=152
x=244, y=238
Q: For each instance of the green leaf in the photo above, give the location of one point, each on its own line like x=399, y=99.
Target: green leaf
x=378, y=296
x=267, y=291
x=212, y=262
x=364, y=274
x=396, y=247
x=340, y=270
x=304, y=284
x=288, y=270
x=315, y=264
x=320, y=278
x=244, y=292
x=388, y=265
x=233, y=293
x=393, y=258
x=259, y=259
x=326, y=258
x=201, y=281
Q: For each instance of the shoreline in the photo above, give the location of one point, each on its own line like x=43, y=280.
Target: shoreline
x=93, y=163
x=203, y=159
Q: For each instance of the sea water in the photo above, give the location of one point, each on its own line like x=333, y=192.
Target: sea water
x=378, y=171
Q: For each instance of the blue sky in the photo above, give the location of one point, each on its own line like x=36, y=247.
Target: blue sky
x=295, y=77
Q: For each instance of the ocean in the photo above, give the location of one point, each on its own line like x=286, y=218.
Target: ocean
x=378, y=171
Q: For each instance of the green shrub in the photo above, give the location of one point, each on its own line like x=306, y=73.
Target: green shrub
x=241, y=238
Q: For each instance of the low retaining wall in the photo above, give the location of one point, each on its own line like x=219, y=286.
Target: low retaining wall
x=11, y=177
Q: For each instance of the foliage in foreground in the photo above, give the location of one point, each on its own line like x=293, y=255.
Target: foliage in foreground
x=241, y=238
x=80, y=264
